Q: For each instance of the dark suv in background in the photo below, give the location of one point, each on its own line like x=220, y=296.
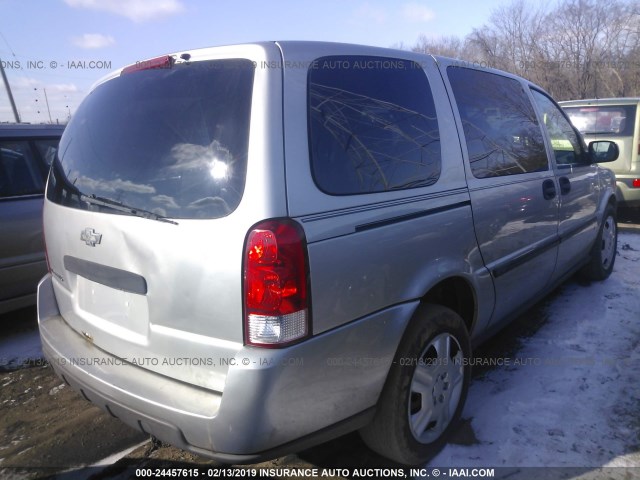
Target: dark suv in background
x=26, y=152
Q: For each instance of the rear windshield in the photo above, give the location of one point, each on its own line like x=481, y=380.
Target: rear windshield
x=170, y=141
x=611, y=120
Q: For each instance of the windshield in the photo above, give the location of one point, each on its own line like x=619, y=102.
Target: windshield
x=612, y=120
x=169, y=141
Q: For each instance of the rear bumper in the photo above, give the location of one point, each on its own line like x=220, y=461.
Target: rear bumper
x=626, y=193
x=274, y=401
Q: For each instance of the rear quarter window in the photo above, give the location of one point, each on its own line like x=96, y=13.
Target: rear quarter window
x=372, y=125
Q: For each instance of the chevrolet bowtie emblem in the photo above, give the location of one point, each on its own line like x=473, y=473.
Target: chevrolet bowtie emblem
x=90, y=237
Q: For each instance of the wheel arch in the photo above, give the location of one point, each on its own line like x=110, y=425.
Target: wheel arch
x=457, y=294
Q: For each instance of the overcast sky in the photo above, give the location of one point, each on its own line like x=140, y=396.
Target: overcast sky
x=64, y=46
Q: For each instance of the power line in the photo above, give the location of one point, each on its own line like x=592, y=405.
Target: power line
x=5, y=41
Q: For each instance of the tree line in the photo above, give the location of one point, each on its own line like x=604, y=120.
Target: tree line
x=574, y=49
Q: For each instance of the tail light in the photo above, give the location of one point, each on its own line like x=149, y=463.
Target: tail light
x=636, y=183
x=276, y=294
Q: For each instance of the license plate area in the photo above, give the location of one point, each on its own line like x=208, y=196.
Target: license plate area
x=115, y=311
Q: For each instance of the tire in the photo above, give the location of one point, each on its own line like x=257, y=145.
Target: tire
x=425, y=390
x=603, y=252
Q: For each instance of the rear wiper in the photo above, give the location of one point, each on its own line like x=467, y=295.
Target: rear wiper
x=121, y=207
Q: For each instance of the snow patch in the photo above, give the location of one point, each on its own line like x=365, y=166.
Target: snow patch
x=577, y=403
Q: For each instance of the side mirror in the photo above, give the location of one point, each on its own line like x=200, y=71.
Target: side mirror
x=603, y=151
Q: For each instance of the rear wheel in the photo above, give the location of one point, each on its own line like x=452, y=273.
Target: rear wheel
x=603, y=253
x=425, y=390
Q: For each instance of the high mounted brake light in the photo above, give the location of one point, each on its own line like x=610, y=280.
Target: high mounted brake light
x=165, y=61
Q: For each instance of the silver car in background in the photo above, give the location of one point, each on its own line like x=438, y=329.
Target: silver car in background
x=260, y=247
x=26, y=152
x=617, y=120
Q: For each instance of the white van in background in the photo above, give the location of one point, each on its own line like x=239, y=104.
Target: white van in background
x=613, y=119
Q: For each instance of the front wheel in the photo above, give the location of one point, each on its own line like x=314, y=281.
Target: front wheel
x=603, y=253
x=425, y=390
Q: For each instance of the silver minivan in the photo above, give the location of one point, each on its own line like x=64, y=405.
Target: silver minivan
x=614, y=119
x=256, y=248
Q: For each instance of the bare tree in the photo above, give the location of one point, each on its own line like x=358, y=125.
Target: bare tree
x=577, y=49
x=618, y=74
x=509, y=41
x=446, y=46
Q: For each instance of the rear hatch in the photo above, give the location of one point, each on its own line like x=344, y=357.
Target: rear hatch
x=608, y=122
x=146, y=211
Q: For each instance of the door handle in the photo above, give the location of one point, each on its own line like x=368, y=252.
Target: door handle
x=565, y=185
x=548, y=189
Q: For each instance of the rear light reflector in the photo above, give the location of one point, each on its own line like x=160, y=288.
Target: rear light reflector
x=165, y=61
x=276, y=297
x=636, y=183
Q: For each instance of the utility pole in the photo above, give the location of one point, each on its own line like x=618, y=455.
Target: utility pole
x=6, y=84
x=47, y=100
